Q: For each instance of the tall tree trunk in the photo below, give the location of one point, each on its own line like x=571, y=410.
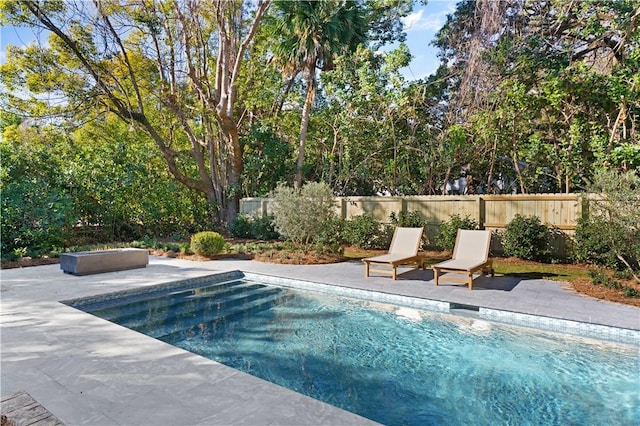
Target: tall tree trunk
x=304, y=125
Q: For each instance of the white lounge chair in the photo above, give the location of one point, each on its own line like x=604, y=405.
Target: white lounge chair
x=402, y=251
x=471, y=254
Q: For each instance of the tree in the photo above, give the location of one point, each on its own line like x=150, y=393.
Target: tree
x=557, y=80
x=168, y=68
x=311, y=34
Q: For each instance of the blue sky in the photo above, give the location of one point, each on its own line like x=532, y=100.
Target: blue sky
x=421, y=26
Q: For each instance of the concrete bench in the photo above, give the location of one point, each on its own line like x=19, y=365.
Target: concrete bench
x=95, y=262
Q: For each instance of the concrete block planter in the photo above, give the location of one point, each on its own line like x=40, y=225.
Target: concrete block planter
x=95, y=262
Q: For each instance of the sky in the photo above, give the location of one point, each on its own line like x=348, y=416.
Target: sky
x=421, y=27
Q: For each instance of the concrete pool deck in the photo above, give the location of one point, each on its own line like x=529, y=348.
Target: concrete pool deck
x=86, y=370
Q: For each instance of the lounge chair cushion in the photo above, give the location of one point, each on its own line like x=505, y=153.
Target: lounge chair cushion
x=403, y=250
x=470, y=254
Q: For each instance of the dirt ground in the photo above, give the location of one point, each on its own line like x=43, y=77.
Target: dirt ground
x=582, y=286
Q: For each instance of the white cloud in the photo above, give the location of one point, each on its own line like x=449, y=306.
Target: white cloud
x=411, y=20
x=419, y=21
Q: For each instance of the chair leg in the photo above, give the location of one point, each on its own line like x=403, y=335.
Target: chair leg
x=395, y=271
x=366, y=269
x=435, y=273
x=470, y=282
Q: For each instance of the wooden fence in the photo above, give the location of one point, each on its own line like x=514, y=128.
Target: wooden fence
x=559, y=212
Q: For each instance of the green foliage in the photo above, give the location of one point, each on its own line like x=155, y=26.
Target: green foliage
x=526, y=238
x=261, y=228
x=448, y=230
x=631, y=292
x=366, y=232
x=614, y=219
x=241, y=227
x=60, y=190
x=599, y=277
x=300, y=215
x=37, y=207
x=331, y=237
x=207, y=243
x=408, y=219
x=589, y=246
x=267, y=161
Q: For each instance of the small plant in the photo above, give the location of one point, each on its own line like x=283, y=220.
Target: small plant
x=527, y=238
x=623, y=274
x=174, y=247
x=631, y=292
x=598, y=277
x=448, y=231
x=207, y=243
x=19, y=252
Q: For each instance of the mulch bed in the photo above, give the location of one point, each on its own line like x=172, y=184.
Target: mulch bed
x=586, y=286
x=27, y=261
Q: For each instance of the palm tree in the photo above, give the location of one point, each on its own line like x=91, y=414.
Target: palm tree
x=311, y=33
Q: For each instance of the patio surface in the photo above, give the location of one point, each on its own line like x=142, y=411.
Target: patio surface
x=86, y=370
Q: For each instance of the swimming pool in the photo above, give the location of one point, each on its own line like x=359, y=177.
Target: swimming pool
x=390, y=363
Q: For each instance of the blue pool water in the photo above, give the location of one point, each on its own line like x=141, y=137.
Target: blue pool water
x=392, y=364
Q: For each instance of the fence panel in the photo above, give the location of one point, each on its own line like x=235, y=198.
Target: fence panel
x=559, y=212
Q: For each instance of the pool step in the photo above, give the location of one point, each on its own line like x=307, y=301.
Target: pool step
x=209, y=323
x=159, y=305
x=193, y=308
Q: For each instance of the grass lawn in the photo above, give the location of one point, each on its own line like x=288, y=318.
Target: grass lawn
x=503, y=266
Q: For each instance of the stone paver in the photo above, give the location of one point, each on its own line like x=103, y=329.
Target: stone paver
x=86, y=370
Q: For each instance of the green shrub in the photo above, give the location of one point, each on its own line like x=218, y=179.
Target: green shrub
x=366, y=232
x=589, y=246
x=241, y=227
x=261, y=228
x=207, y=243
x=448, y=230
x=331, y=237
x=301, y=215
x=527, y=238
x=408, y=219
